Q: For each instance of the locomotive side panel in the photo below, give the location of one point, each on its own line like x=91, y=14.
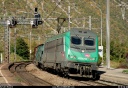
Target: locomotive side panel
x=54, y=51
x=51, y=48
x=60, y=56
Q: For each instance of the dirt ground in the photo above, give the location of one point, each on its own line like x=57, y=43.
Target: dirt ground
x=54, y=79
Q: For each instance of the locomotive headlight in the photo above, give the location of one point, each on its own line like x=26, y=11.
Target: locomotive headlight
x=83, y=51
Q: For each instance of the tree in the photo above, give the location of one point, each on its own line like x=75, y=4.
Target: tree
x=22, y=48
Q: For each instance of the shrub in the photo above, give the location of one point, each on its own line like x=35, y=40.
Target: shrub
x=125, y=71
x=123, y=63
x=22, y=48
x=99, y=61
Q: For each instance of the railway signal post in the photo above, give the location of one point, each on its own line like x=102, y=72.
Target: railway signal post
x=6, y=23
x=10, y=23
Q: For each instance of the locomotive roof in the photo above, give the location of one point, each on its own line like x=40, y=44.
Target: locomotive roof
x=39, y=45
x=82, y=31
x=79, y=31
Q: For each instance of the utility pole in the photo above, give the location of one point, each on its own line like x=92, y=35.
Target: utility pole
x=39, y=39
x=90, y=23
x=7, y=41
x=30, y=44
x=6, y=23
x=69, y=17
x=15, y=46
x=108, y=35
x=84, y=22
x=1, y=57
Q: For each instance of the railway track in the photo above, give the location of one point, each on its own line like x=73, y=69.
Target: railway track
x=109, y=83
x=82, y=80
x=90, y=82
x=18, y=69
x=31, y=80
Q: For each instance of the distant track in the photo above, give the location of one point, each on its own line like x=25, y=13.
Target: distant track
x=19, y=69
x=109, y=83
x=90, y=82
x=87, y=81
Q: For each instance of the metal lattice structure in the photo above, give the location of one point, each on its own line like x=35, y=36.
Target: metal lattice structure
x=7, y=43
x=11, y=23
x=6, y=23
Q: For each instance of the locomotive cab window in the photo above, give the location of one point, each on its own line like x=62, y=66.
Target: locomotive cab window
x=76, y=40
x=89, y=41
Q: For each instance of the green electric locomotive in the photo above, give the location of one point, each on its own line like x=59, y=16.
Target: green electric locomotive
x=74, y=52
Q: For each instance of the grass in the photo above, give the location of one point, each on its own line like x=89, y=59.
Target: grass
x=18, y=58
x=18, y=79
x=114, y=64
x=12, y=58
x=125, y=71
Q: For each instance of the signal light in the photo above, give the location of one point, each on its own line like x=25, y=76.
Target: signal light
x=37, y=19
x=40, y=22
x=13, y=23
x=34, y=23
x=34, y=26
x=36, y=9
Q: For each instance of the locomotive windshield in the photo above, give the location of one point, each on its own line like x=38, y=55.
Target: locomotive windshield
x=89, y=41
x=76, y=40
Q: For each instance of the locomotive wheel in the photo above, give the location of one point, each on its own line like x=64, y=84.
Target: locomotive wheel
x=55, y=69
x=36, y=63
x=42, y=66
x=59, y=70
x=81, y=71
x=93, y=75
x=65, y=73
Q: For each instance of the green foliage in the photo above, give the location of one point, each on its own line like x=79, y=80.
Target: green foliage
x=99, y=61
x=12, y=48
x=32, y=54
x=125, y=71
x=22, y=48
x=17, y=59
x=117, y=50
x=123, y=63
x=118, y=53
